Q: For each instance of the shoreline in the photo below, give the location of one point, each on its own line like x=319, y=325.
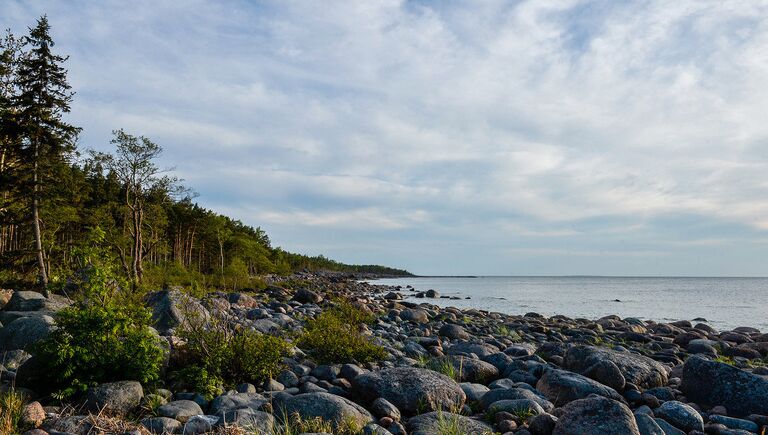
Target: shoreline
x=485, y=371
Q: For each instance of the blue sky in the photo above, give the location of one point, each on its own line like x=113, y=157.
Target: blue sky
x=478, y=137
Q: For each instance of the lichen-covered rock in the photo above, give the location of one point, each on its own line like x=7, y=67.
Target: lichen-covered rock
x=115, y=398
x=711, y=383
x=24, y=332
x=595, y=415
x=561, y=387
x=171, y=308
x=636, y=369
x=410, y=389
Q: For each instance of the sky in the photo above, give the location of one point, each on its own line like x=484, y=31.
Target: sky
x=447, y=137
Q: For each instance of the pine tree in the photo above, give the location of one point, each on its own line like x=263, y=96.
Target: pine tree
x=48, y=141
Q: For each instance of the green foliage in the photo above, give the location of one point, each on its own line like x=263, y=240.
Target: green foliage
x=103, y=337
x=294, y=424
x=447, y=367
x=216, y=356
x=334, y=336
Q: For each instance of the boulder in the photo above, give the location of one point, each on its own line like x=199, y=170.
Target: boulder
x=607, y=373
x=33, y=414
x=595, y=415
x=710, y=383
x=561, y=387
x=470, y=369
x=414, y=315
x=647, y=425
x=454, y=332
x=514, y=394
x=479, y=349
x=115, y=398
x=680, y=415
x=328, y=407
x=441, y=422
x=474, y=392
x=410, y=389
x=24, y=332
x=23, y=301
x=161, y=425
x=307, y=297
x=181, y=410
x=517, y=407
x=199, y=424
x=636, y=369
x=229, y=402
x=248, y=419
x=172, y=308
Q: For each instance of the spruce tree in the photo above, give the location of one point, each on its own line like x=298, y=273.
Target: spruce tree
x=44, y=95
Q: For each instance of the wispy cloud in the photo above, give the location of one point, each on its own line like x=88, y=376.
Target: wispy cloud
x=425, y=132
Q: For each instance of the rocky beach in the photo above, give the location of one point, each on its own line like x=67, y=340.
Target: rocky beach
x=444, y=370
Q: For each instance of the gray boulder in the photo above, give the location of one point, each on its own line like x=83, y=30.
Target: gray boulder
x=517, y=406
x=116, y=398
x=636, y=369
x=454, y=332
x=172, y=308
x=232, y=401
x=607, y=373
x=328, y=407
x=307, y=297
x=23, y=301
x=24, y=332
x=595, y=415
x=680, y=415
x=479, y=349
x=248, y=419
x=199, y=424
x=712, y=383
x=647, y=425
x=441, y=422
x=470, y=369
x=181, y=410
x=474, y=392
x=561, y=387
x=514, y=394
x=410, y=389
x=414, y=315
x=161, y=425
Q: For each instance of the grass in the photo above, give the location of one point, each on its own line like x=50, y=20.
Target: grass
x=295, y=425
x=11, y=408
x=504, y=331
x=751, y=363
x=451, y=424
x=443, y=365
x=521, y=414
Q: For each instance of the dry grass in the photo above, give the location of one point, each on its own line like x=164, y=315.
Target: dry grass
x=11, y=407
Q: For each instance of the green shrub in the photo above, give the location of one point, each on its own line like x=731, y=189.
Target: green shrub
x=217, y=356
x=334, y=336
x=105, y=336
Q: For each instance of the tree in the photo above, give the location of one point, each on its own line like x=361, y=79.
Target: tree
x=10, y=49
x=47, y=141
x=134, y=166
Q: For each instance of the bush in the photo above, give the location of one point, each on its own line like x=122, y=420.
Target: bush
x=104, y=337
x=334, y=336
x=217, y=356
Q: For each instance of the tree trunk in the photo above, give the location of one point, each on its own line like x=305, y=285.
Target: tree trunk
x=41, y=272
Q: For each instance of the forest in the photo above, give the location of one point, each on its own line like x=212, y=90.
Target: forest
x=56, y=199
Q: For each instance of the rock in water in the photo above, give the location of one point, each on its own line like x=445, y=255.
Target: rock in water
x=637, y=369
x=445, y=422
x=117, y=398
x=410, y=389
x=713, y=383
x=596, y=415
x=561, y=387
x=328, y=407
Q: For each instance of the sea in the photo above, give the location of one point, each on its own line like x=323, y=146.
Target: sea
x=725, y=303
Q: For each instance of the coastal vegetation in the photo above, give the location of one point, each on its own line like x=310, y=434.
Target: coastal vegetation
x=52, y=193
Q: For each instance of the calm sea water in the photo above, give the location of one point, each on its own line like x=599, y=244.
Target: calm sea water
x=725, y=302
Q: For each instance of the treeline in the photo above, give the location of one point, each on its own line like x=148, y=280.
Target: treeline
x=53, y=197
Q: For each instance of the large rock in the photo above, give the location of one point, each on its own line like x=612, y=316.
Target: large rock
x=229, y=402
x=454, y=332
x=479, y=349
x=172, y=308
x=514, y=394
x=411, y=389
x=414, y=315
x=470, y=369
x=680, y=415
x=24, y=332
x=328, y=407
x=115, y=398
x=561, y=387
x=248, y=419
x=445, y=422
x=34, y=301
x=161, y=425
x=181, y=410
x=595, y=415
x=637, y=369
x=307, y=297
x=711, y=383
